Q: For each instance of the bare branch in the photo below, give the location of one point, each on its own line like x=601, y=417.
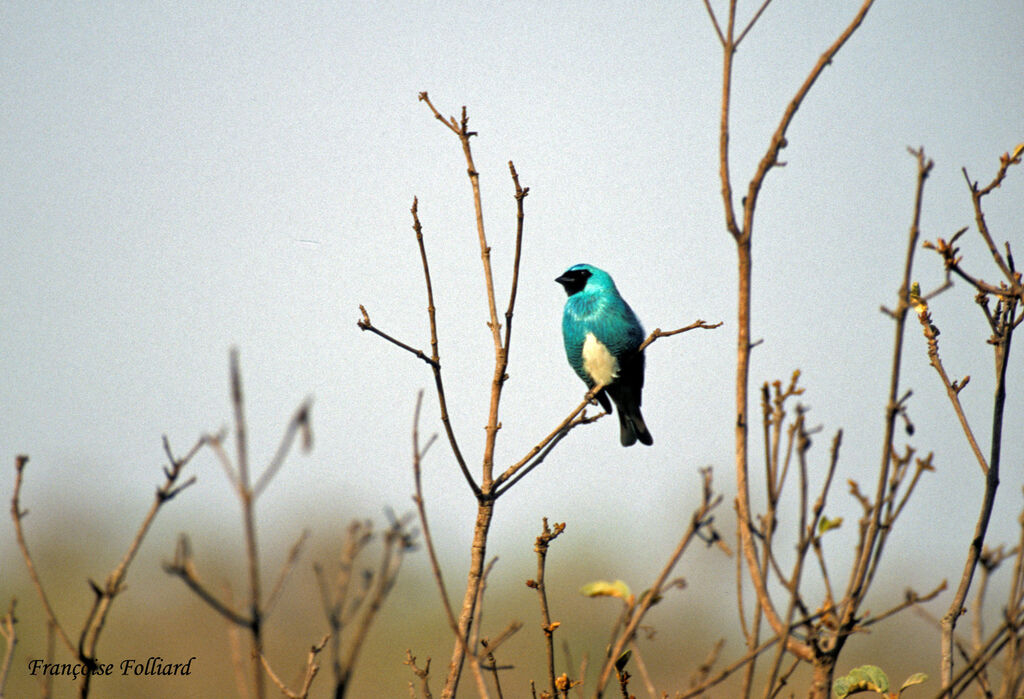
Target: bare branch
x=366, y=324
x=521, y=194
x=752, y=22
x=17, y=514
x=979, y=216
x=312, y=667
x=85, y=649
x=778, y=141
x=509, y=477
x=247, y=501
x=300, y=423
x=7, y=624
x=1003, y=321
x=422, y=673
x=541, y=545
x=741, y=233
x=714, y=22
x=700, y=521
x=435, y=566
x=286, y=569
x=870, y=549
x=658, y=332
x=397, y=541
x=184, y=567
x=911, y=598
x=434, y=360
x=114, y=583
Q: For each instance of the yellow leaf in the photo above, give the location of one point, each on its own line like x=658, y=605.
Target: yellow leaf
x=603, y=588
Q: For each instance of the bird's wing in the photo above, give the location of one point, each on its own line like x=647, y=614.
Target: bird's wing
x=618, y=328
x=574, y=333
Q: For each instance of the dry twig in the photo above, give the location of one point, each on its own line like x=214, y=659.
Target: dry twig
x=7, y=630
x=701, y=526
x=240, y=477
x=85, y=649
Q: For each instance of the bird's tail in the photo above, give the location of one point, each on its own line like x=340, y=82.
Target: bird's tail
x=632, y=427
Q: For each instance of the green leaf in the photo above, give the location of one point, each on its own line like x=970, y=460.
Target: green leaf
x=603, y=588
x=866, y=678
x=916, y=678
x=620, y=663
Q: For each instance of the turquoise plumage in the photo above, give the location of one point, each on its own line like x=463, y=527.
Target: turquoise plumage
x=601, y=335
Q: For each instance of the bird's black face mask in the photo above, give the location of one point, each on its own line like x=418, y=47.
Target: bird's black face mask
x=574, y=280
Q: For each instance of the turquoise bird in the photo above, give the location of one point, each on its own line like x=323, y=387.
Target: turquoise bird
x=602, y=334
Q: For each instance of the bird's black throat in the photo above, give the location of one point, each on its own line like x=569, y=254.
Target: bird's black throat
x=574, y=280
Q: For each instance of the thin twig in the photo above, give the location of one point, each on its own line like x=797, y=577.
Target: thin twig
x=365, y=323
x=435, y=356
x=521, y=194
x=699, y=521
x=509, y=477
x=183, y=566
x=435, y=566
x=1003, y=322
x=548, y=534
x=17, y=514
x=434, y=360
x=742, y=236
x=247, y=500
x=104, y=595
x=870, y=548
x=286, y=568
x=461, y=129
x=751, y=23
x=312, y=667
x=300, y=423
x=417, y=458
x=725, y=672
x=339, y=608
x=422, y=673
x=7, y=630
x=645, y=676
x=658, y=332
x=397, y=541
x=114, y=583
x=953, y=388
x=714, y=22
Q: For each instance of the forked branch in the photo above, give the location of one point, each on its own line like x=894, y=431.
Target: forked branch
x=85, y=649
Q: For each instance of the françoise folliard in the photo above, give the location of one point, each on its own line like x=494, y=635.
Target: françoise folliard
x=151, y=667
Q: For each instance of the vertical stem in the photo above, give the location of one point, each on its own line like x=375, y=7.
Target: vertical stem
x=742, y=329
x=485, y=495
x=541, y=547
x=728, y=51
x=249, y=524
x=1002, y=352
x=860, y=573
x=821, y=680
x=485, y=512
x=742, y=235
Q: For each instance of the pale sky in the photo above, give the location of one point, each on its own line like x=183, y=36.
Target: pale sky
x=179, y=180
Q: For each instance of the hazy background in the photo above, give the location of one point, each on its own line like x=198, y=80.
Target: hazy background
x=176, y=181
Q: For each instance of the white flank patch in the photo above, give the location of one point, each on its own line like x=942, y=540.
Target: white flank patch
x=598, y=362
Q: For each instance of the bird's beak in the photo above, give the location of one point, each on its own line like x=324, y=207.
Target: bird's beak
x=563, y=280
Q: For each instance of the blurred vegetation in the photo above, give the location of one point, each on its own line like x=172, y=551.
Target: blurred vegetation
x=157, y=616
